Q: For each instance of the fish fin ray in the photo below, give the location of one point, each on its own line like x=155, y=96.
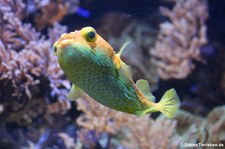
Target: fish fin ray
x=74, y=93
x=119, y=63
x=144, y=87
x=169, y=104
x=123, y=47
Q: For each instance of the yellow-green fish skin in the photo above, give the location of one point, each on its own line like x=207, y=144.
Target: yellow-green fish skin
x=95, y=73
x=91, y=65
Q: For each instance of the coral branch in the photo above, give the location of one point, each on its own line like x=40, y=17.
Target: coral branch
x=180, y=38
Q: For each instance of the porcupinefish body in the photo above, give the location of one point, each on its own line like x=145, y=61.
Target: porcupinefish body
x=93, y=67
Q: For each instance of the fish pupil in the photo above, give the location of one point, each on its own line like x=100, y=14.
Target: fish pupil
x=91, y=35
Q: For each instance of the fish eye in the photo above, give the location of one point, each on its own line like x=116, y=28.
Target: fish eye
x=89, y=33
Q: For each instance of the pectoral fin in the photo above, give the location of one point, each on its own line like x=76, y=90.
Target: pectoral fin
x=74, y=93
x=126, y=69
x=143, y=86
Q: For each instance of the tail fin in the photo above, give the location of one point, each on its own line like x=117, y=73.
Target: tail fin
x=169, y=104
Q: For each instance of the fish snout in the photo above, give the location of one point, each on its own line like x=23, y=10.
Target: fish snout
x=60, y=45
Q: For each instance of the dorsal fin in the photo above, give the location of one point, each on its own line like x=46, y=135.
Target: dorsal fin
x=123, y=47
x=143, y=86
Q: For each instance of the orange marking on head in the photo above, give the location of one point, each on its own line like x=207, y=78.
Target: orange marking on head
x=77, y=37
x=66, y=43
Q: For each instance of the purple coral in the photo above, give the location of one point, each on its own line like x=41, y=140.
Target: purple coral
x=30, y=78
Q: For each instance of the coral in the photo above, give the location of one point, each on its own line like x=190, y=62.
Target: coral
x=54, y=11
x=215, y=125
x=195, y=129
x=54, y=140
x=99, y=118
x=179, y=41
x=134, y=132
x=147, y=133
x=35, y=112
x=32, y=86
x=26, y=60
x=189, y=129
x=69, y=141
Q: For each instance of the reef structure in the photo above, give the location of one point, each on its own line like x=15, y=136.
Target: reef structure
x=180, y=38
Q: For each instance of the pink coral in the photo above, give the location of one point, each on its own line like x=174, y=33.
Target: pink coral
x=142, y=132
x=26, y=60
x=54, y=11
x=180, y=39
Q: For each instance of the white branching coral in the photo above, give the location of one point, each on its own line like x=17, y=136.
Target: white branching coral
x=180, y=38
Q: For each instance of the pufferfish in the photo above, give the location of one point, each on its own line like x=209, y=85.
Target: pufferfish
x=94, y=68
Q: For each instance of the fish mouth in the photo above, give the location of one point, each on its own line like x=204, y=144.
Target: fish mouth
x=54, y=49
x=64, y=41
x=58, y=47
